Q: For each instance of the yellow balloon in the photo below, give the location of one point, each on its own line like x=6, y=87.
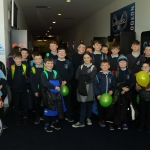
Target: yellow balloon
x=142, y=78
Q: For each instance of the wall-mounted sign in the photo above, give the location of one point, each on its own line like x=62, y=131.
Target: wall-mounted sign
x=123, y=20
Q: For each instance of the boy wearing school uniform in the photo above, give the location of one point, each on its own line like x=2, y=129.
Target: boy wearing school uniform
x=135, y=61
x=17, y=79
x=66, y=72
x=35, y=77
x=98, y=56
x=53, y=50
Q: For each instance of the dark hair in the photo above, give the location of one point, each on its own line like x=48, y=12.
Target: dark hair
x=87, y=53
x=146, y=62
x=25, y=49
x=34, y=52
x=146, y=46
x=17, y=54
x=53, y=42
x=104, y=46
x=37, y=54
x=115, y=45
x=48, y=59
x=81, y=44
x=61, y=48
x=135, y=42
x=104, y=61
x=15, y=49
x=97, y=41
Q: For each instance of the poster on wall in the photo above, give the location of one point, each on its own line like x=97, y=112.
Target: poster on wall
x=122, y=20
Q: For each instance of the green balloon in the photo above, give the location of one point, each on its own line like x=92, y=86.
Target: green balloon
x=138, y=99
x=105, y=100
x=64, y=90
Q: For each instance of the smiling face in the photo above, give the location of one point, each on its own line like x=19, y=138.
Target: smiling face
x=18, y=60
x=49, y=65
x=145, y=67
x=24, y=54
x=61, y=53
x=97, y=46
x=105, y=66
x=147, y=51
x=122, y=64
x=81, y=48
x=87, y=59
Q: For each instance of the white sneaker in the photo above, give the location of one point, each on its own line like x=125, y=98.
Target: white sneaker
x=89, y=122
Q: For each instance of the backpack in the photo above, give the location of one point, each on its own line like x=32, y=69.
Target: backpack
x=46, y=74
x=34, y=69
x=24, y=67
x=90, y=68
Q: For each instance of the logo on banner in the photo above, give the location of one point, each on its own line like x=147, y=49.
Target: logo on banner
x=1, y=48
x=123, y=20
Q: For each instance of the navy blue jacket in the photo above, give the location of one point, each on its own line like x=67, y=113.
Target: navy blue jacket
x=103, y=83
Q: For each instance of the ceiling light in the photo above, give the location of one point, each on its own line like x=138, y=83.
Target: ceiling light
x=59, y=14
x=50, y=27
x=68, y=1
x=54, y=21
x=46, y=34
x=47, y=31
x=50, y=36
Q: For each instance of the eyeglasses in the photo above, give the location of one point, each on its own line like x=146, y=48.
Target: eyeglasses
x=146, y=67
x=61, y=52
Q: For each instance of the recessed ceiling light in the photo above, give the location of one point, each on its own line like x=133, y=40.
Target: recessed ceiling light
x=47, y=31
x=54, y=21
x=59, y=14
x=68, y=1
x=46, y=34
x=50, y=27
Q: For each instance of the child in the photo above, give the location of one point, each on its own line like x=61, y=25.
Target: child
x=85, y=73
x=3, y=94
x=53, y=50
x=51, y=82
x=25, y=54
x=135, y=60
x=147, y=53
x=76, y=60
x=66, y=72
x=35, y=76
x=32, y=63
x=113, y=58
x=122, y=95
x=105, y=49
x=17, y=78
x=98, y=56
x=144, y=94
x=89, y=49
x=104, y=83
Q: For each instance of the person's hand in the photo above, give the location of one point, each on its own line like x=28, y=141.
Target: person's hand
x=126, y=89
x=36, y=94
x=138, y=87
x=123, y=92
x=57, y=88
x=98, y=97
x=110, y=92
x=63, y=83
x=1, y=86
x=147, y=89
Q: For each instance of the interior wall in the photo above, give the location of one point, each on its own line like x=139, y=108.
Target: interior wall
x=98, y=25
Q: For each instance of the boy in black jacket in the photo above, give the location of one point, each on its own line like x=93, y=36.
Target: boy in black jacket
x=51, y=82
x=35, y=77
x=135, y=60
x=66, y=72
x=113, y=58
x=17, y=79
x=104, y=83
x=98, y=56
x=53, y=50
x=147, y=53
x=144, y=94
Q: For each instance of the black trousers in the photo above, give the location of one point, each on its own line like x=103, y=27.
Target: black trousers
x=20, y=98
x=145, y=112
x=37, y=103
x=67, y=101
x=50, y=119
x=2, y=110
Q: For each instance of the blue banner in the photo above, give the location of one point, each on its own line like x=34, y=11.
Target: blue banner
x=123, y=20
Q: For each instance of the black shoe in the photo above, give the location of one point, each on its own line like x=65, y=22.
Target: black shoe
x=37, y=121
x=49, y=129
x=18, y=123
x=56, y=126
x=69, y=119
x=25, y=120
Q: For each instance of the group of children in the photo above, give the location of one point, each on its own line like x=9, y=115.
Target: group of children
x=88, y=74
